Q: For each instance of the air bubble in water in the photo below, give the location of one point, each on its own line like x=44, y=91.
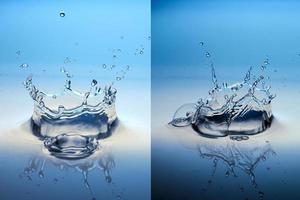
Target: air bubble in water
x=201, y=43
x=207, y=54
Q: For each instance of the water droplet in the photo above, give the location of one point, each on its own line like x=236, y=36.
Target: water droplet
x=24, y=65
x=201, y=43
x=104, y=66
x=141, y=52
x=118, y=78
x=266, y=62
x=94, y=82
x=62, y=14
x=63, y=70
x=207, y=54
x=41, y=174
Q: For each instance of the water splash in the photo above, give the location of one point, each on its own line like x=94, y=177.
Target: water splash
x=69, y=119
x=242, y=108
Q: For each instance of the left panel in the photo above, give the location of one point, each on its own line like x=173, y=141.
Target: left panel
x=75, y=100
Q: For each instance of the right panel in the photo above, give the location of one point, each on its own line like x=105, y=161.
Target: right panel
x=225, y=94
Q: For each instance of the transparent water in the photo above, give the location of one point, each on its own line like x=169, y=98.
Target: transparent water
x=242, y=108
x=71, y=130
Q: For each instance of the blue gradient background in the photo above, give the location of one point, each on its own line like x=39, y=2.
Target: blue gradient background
x=238, y=34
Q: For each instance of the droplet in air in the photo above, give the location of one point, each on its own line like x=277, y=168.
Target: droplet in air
x=62, y=14
x=24, y=65
x=94, y=82
x=118, y=78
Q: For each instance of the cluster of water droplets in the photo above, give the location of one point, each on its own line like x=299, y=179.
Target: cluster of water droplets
x=242, y=108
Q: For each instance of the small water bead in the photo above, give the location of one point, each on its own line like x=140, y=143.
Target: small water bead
x=94, y=82
x=201, y=43
x=207, y=54
x=24, y=65
x=118, y=78
x=63, y=70
x=62, y=14
x=104, y=66
x=266, y=62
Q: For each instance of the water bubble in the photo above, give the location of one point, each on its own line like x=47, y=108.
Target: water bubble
x=94, y=82
x=24, y=65
x=141, y=52
x=266, y=62
x=184, y=115
x=63, y=70
x=62, y=14
x=104, y=66
x=41, y=174
x=118, y=78
x=207, y=54
x=201, y=43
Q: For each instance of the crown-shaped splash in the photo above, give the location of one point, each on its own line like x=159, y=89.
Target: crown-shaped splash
x=70, y=117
